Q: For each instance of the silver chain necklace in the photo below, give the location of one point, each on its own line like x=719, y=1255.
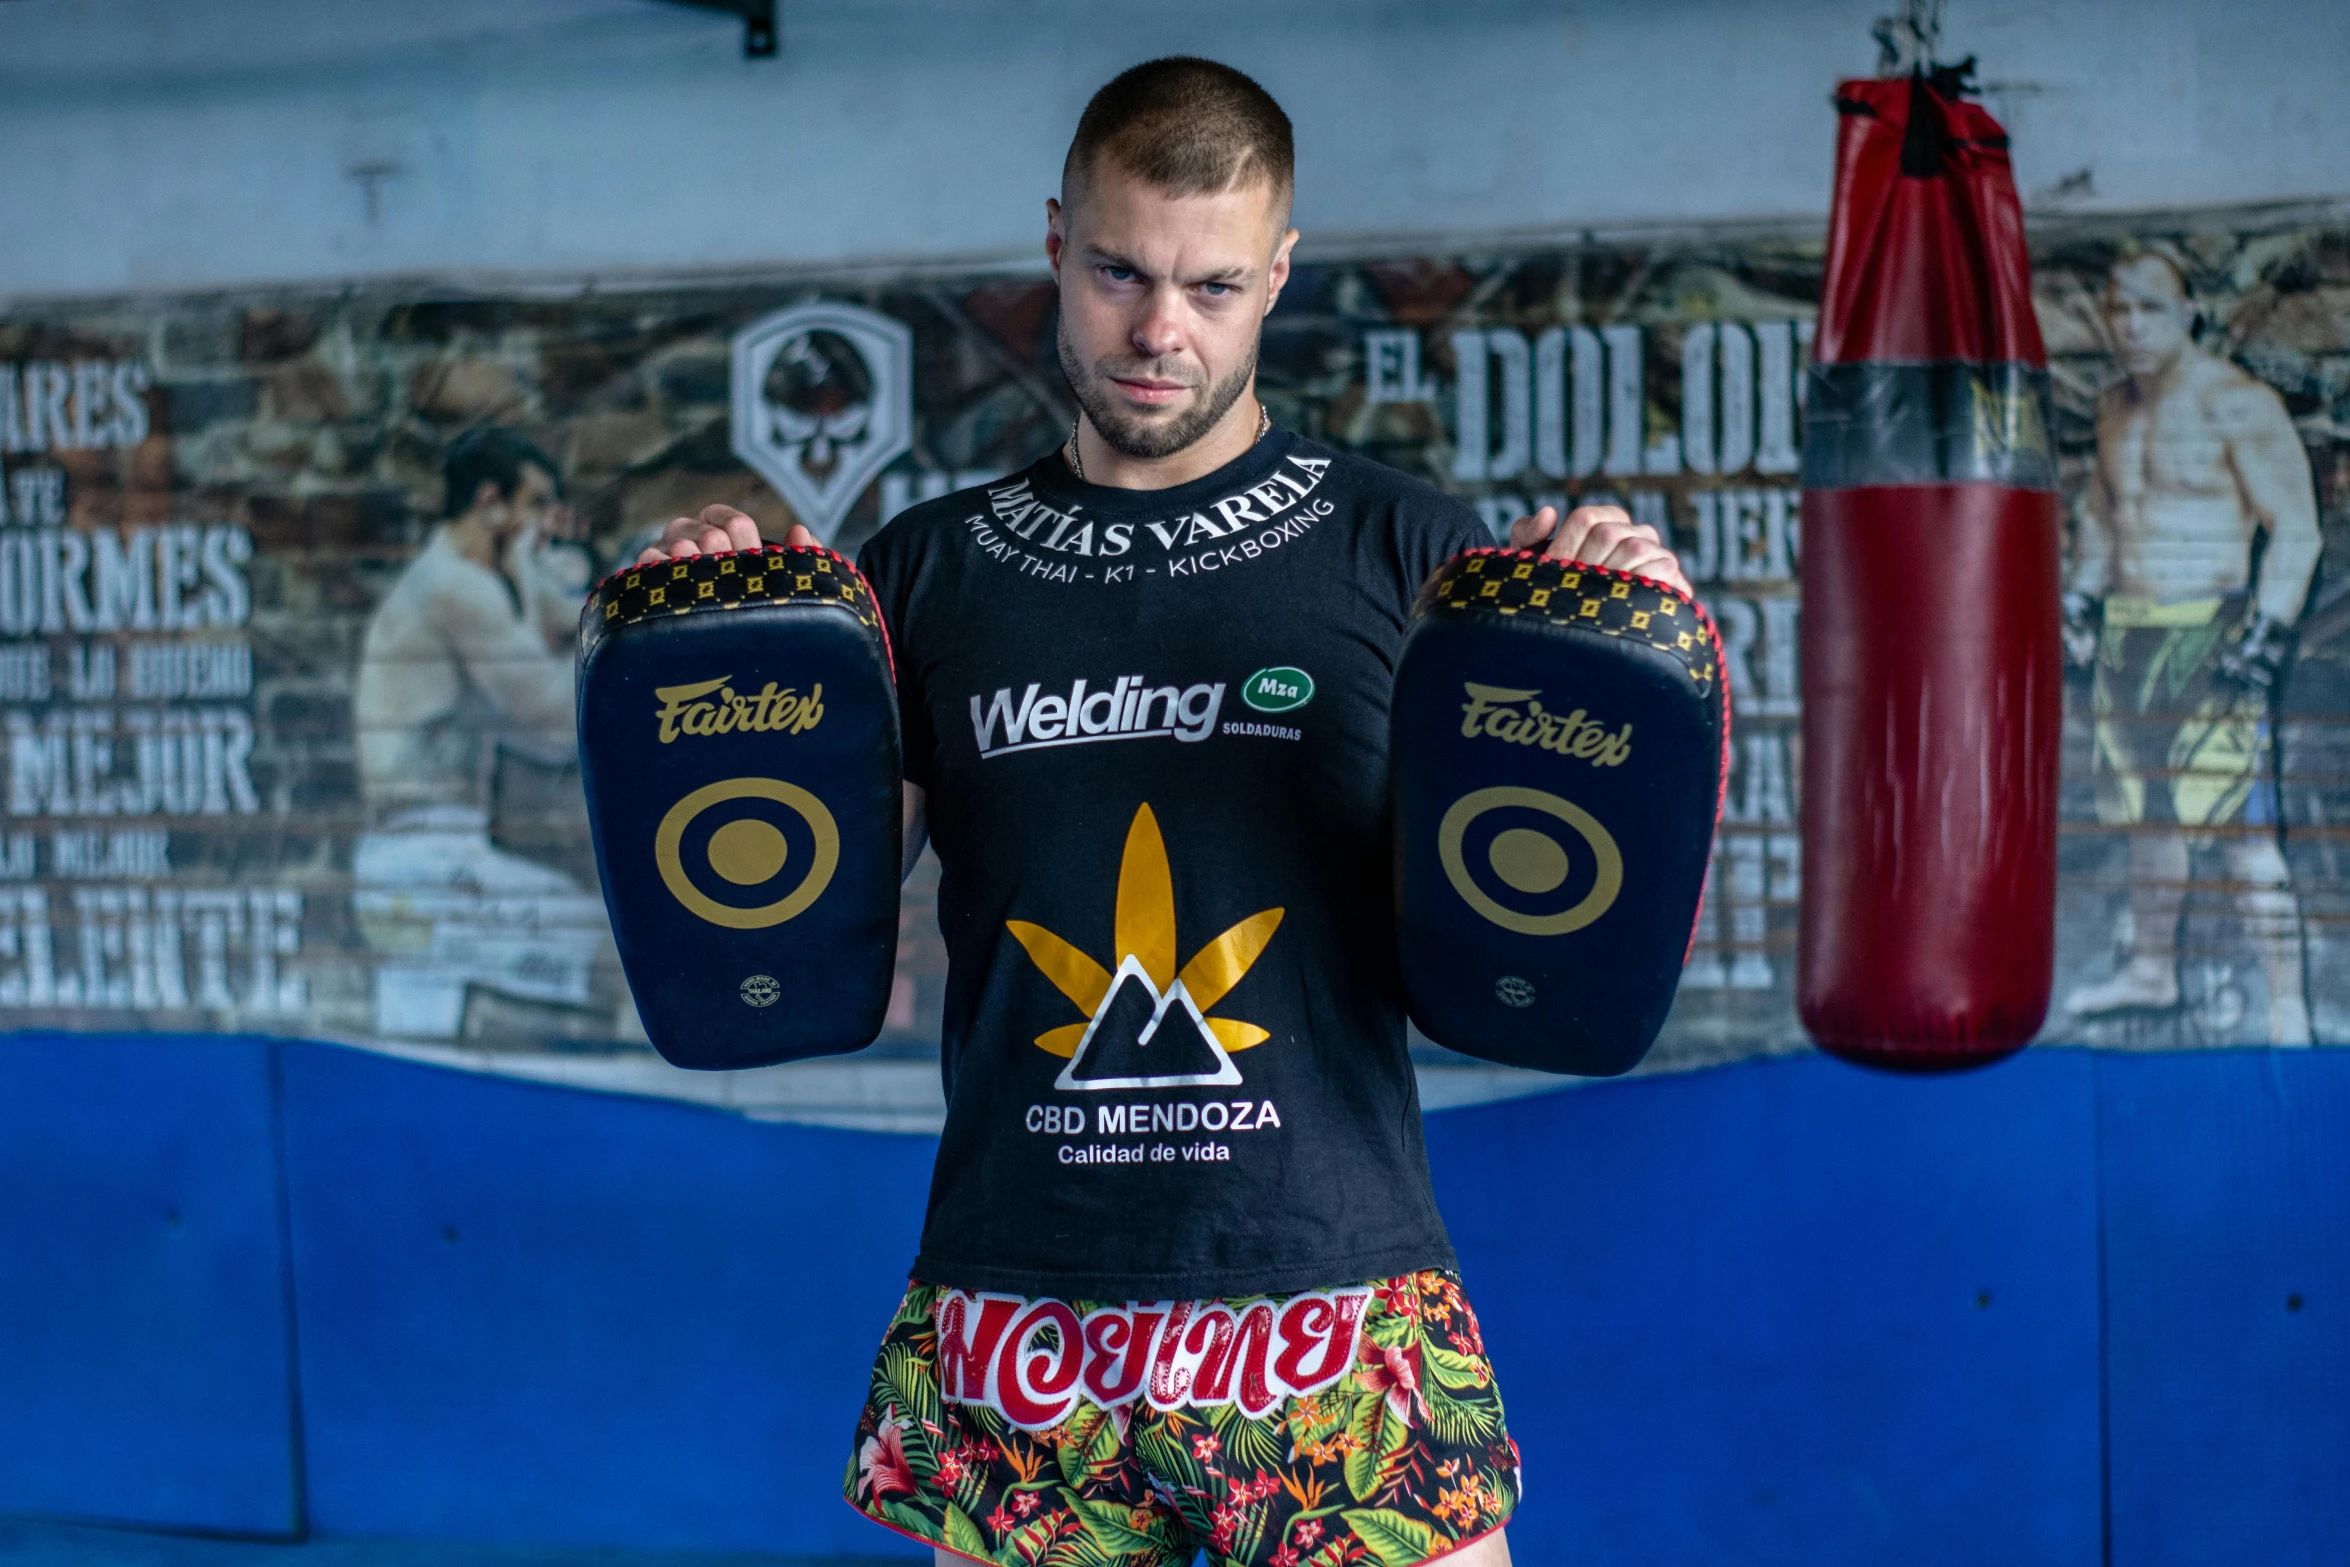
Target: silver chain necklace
x=1264, y=423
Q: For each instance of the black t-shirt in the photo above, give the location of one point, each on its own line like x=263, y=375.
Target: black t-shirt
x=1153, y=728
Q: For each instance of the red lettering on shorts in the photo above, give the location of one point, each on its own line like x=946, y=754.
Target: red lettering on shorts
x=969, y=1327
x=1318, y=1340
x=1210, y=1338
x=1118, y=1352
x=1031, y=1396
x=992, y=1351
x=1233, y=1351
x=1255, y=1395
x=1168, y=1381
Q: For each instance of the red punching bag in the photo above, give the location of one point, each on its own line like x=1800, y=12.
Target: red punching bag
x=1932, y=674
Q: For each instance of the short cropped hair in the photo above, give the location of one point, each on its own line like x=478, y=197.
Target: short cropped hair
x=490, y=453
x=1189, y=127
x=2137, y=253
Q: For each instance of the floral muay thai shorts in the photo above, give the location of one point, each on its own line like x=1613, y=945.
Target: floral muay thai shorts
x=1351, y=1425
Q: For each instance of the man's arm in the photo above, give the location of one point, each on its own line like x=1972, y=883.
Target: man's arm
x=2092, y=573
x=508, y=659
x=916, y=826
x=544, y=576
x=2266, y=453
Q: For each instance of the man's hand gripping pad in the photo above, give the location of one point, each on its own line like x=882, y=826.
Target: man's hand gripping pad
x=738, y=739
x=1558, y=746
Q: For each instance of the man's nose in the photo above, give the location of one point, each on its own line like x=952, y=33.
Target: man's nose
x=1158, y=330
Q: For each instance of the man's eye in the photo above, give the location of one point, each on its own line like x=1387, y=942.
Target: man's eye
x=1217, y=290
x=1119, y=274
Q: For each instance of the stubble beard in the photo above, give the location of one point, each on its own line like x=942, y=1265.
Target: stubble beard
x=1130, y=435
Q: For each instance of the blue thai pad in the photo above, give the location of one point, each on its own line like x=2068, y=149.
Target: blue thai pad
x=1558, y=745
x=738, y=739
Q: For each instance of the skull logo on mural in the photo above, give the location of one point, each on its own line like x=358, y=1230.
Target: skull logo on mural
x=823, y=401
x=820, y=396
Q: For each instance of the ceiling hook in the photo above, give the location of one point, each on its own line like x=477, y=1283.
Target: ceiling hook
x=1909, y=43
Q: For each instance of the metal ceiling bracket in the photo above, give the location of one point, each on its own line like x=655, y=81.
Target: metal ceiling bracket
x=762, y=23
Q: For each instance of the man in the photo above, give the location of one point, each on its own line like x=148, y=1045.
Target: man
x=2199, y=474
x=1183, y=1283
x=468, y=653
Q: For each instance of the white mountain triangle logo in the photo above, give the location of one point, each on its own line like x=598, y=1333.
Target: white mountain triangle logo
x=1147, y=1023
x=1172, y=1018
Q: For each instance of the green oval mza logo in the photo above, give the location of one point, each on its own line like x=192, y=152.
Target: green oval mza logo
x=1278, y=690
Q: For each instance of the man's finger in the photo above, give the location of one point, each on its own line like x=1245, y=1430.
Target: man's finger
x=732, y=525
x=1619, y=547
x=717, y=530
x=1658, y=565
x=1573, y=539
x=1527, y=532
x=1610, y=532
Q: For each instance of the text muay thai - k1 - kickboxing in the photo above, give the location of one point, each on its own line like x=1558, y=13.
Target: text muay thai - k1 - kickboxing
x=1153, y=729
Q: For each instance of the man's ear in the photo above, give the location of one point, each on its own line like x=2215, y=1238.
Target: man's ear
x=1277, y=275
x=1054, y=237
x=485, y=493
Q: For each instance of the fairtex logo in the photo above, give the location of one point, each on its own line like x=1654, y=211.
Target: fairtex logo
x=1278, y=690
x=1493, y=711
x=1129, y=708
x=768, y=712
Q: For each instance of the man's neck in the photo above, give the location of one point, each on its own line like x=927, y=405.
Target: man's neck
x=1230, y=436
x=2161, y=376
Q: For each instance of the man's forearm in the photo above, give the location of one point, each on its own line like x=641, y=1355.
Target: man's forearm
x=2092, y=555
x=550, y=603
x=915, y=826
x=2285, y=572
x=2273, y=469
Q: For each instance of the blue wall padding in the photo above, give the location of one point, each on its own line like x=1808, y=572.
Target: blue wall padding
x=1792, y=1312
x=530, y=1314
x=1784, y=1312
x=2227, y=1199
x=144, y=1368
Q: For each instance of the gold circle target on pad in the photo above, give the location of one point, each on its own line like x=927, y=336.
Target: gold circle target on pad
x=747, y=851
x=1530, y=861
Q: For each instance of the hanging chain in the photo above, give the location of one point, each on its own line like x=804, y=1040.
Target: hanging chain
x=1911, y=41
x=1264, y=423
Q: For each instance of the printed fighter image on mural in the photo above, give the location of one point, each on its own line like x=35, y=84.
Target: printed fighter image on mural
x=289, y=586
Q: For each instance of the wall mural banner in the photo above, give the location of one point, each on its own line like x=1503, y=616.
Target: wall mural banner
x=288, y=585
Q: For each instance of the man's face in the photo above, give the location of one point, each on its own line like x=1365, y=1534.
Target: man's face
x=534, y=505
x=2148, y=314
x=1161, y=301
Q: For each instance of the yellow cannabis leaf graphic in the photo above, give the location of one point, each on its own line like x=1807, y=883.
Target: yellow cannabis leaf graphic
x=1145, y=931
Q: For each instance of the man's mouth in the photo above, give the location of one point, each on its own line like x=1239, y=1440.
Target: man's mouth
x=1149, y=393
